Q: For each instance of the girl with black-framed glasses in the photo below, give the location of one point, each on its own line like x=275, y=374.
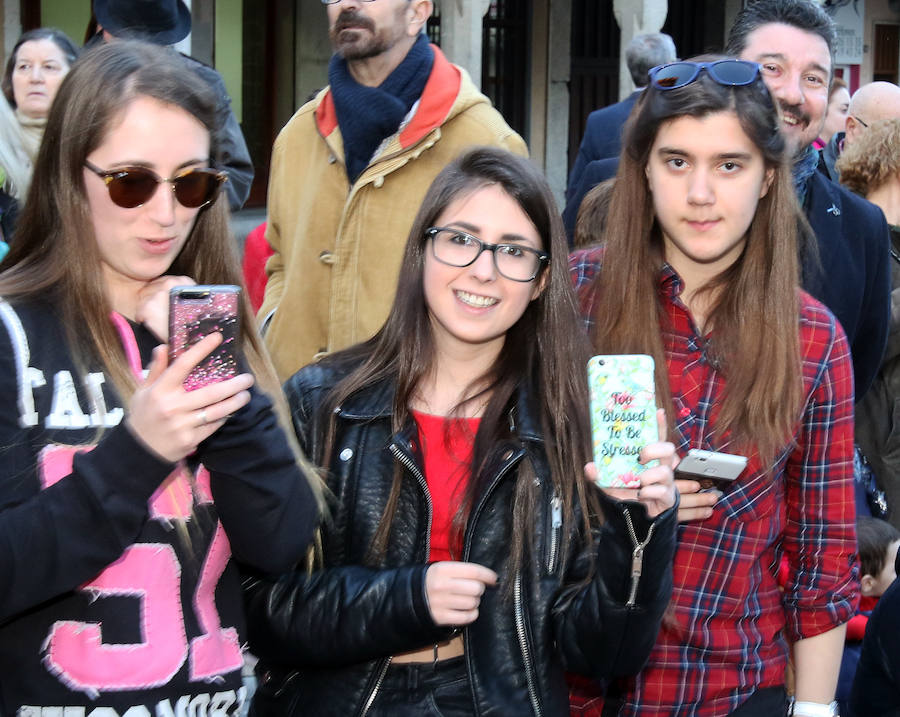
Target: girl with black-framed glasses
x=468, y=561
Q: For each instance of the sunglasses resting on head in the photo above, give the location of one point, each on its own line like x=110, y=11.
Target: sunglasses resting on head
x=731, y=73
x=131, y=187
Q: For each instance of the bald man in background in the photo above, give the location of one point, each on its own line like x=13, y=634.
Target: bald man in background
x=871, y=102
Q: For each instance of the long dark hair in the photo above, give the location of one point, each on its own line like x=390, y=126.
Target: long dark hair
x=755, y=300
x=54, y=254
x=545, y=350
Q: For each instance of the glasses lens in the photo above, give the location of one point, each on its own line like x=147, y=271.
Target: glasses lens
x=132, y=187
x=460, y=249
x=677, y=74
x=196, y=187
x=454, y=248
x=515, y=262
x=733, y=72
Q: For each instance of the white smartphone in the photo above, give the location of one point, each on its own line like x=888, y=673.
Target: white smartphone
x=710, y=467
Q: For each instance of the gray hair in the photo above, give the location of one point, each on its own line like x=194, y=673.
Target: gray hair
x=645, y=52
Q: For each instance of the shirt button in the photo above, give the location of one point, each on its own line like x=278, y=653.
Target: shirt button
x=684, y=413
x=346, y=454
x=379, y=181
x=331, y=159
x=326, y=257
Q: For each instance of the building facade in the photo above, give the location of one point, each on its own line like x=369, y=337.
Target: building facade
x=545, y=63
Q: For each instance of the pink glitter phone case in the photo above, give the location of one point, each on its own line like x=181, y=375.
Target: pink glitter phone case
x=197, y=311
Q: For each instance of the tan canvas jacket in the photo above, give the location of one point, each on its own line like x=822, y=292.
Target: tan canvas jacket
x=338, y=247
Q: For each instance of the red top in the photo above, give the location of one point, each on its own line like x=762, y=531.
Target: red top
x=447, y=449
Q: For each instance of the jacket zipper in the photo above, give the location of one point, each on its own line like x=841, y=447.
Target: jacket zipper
x=523, y=644
x=556, y=528
x=637, y=556
x=367, y=705
x=407, y=463
x=481, y=503
x=467, y=544
x=410, y=465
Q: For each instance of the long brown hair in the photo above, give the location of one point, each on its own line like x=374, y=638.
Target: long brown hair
x=755, y=303
x=546, y=350
x=55, y=255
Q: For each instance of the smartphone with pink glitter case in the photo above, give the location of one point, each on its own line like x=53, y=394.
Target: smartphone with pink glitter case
x=197, y=311
x=623, y=416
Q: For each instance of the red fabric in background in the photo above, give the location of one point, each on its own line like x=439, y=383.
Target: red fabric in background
x=256, y=252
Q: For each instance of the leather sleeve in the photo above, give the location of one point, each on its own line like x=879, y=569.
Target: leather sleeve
x=597, y=632
x=339, y=616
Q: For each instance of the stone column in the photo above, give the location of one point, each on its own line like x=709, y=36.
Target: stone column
x=461, y=22
x=636, y=17
x=12, y=26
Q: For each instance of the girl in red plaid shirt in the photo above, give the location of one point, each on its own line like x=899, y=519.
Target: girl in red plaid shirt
x=700, y=270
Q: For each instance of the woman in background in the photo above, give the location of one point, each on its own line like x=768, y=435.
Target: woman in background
x=836, y=113
x=36, y=66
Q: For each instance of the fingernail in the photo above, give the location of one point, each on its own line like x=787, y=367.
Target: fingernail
x=717, y=493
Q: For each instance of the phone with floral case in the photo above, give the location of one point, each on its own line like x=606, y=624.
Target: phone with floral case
x=623, y=416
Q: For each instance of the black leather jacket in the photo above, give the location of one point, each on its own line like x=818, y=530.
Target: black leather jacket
x=324, y=638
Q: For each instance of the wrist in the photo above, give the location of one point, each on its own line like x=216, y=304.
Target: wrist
x=813, y=709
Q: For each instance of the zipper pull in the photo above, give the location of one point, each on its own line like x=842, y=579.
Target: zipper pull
x=637, y=562
x=556, y=511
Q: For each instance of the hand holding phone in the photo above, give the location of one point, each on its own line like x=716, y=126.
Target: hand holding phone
x=711, y=468
x=197, y=311
x=623, y=417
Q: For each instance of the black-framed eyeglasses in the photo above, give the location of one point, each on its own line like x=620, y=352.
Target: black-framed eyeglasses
x=860, y=121
x=131, y=187
x=455, y=247
x=731, y=73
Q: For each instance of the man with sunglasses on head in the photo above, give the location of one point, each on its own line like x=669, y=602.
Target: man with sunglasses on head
x=351, y=168
x=870, y=103
x=847, y=268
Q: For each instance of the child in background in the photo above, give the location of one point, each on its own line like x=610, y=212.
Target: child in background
x=878, y=542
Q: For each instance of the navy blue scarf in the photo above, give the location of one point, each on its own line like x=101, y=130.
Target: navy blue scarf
x=803, y=169
x=368, y=115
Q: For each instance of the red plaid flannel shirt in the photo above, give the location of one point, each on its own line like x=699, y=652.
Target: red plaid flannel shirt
x=727, y=630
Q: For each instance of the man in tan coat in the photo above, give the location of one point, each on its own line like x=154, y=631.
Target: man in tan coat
x=349, y=172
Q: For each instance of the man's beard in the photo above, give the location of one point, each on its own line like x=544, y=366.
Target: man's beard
x=354, y=37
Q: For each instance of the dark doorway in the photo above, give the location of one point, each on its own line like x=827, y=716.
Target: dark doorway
x=505, y=60
x=260, y=79
x=594, y=69
x=697, y=26
x=887, y=53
